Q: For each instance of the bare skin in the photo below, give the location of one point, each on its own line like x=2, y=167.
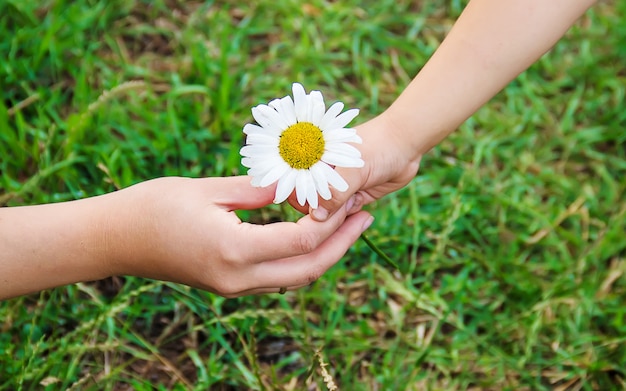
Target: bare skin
x=491, y=43
x=185, y=230
x=175, y=229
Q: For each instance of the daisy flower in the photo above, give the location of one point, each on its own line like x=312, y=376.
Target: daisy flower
x=298, y=143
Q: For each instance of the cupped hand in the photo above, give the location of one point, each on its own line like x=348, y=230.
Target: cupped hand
x=186, y=230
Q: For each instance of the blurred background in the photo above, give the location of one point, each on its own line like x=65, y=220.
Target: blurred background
x=510, y=240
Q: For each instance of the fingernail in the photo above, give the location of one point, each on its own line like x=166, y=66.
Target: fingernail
x=356, y=204
x=367, y=223
x=350, y=203
x=320, y=214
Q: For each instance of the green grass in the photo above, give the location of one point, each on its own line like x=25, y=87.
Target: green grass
x=510, y=239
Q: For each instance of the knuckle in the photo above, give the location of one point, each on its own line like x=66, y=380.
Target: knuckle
x=306, y=242
x=226, y=289
x=229, y=253
x=314, y=274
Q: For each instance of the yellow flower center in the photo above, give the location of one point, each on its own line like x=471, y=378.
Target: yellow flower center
x=301, y=145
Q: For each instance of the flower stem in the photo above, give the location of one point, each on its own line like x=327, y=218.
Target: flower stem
x=379, y=252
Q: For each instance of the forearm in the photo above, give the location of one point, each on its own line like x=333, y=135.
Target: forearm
x=50, y=245
x=490, y=44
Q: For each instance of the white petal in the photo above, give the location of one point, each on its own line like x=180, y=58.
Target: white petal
x=342, y=149
x=247, y=162
x=311, y=195
x=286, y=109
x=334, y=179
x=262, y=172
x=343, y=119
x=300, y=102
x=321, y=184
x=261, y=139
x=340, y=160
x=331, y=114
x=251, y=129
x=285, y=186
x=259, y=173
x=260, y=169
x=317, y=107
x=273, y=116
x=301, y=186
x=264, y=121
x=345, y=135
x=259, y=117
x=265, y=163
x=274, y=174
x=259, y=150
x=346, y=139
x=307, y=114
x=275, y=104
x=339, y=132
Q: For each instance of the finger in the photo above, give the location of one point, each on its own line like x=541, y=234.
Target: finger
x=294, y=203
x=237, y=192
x=327, y=208
x=279, y=240
x=305, y=269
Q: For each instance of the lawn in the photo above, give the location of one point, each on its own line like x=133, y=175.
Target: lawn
x=510, y=240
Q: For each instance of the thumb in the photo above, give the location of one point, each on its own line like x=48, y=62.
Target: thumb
x=351, y=197
x=238, y=193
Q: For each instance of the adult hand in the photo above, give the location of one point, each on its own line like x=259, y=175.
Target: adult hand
x=185, y=230
x=175, y=229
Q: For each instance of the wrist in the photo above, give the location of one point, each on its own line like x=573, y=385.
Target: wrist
x=401, y=131
x=102, y=225
x=142, y=232
x=421, y=122
x=122, y=232
x=390, y=157
x=46, y=246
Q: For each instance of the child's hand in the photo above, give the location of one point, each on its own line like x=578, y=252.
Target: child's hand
x=390, y=164
x=489, y=45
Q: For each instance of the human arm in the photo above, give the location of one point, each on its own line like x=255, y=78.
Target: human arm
x=491, y=43
x=176, y=229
